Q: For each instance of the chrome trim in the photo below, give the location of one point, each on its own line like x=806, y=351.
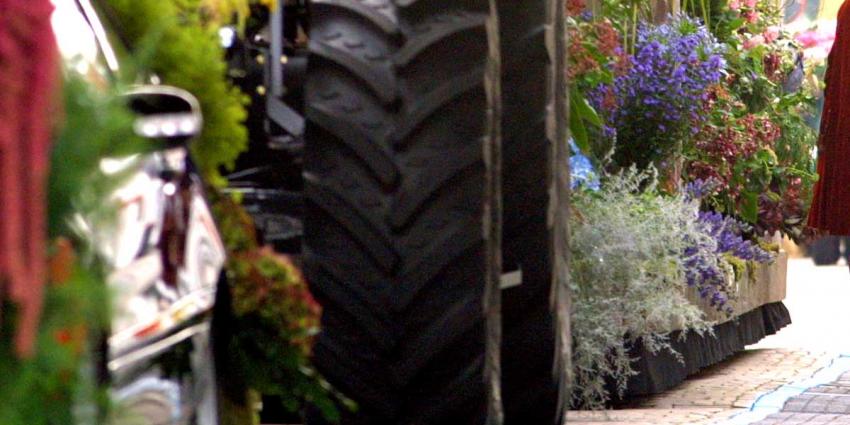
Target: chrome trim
x=100, y=34
x=164, y=89
x=276, y=51
x=151, y=385
x=158, y=347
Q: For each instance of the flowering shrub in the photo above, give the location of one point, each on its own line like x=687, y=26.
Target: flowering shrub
x=582, y=171
x=731, y=102
x=596, y=57
x=657, y=103
x=634, y=252
x=274, y=319
x=737, y=153
x=757, y=145
x=628, y=277
x=710, y=264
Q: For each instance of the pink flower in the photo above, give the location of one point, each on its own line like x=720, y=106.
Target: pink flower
x=755, y=41
x=734, y=4
x=751, y=3
x=807, y=39
x=752, y=17
x=771, y=34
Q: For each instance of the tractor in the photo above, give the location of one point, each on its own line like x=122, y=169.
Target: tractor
x=412, y=155
x=406, y=151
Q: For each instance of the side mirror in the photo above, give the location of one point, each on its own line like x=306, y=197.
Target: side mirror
x=165, y=114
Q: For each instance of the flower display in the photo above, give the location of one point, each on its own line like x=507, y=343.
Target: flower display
x=756, y=143
x=817, y=43
x=657, y=102
x=582, y=171
x=717, y=104
x=709, y=262
x=754, y=41
x=628, y=270
x=596, y=56
x=575, y=7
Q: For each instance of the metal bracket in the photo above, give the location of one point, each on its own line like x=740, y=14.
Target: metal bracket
x=277, y=111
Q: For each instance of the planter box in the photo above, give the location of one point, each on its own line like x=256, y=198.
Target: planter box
x=759, y=312
x=764, y=285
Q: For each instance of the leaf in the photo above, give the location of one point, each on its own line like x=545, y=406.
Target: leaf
x=584, y=110
x=750, y=206
x=577, y=128
x=773, y=196
x=736, y=24
x=793, y=221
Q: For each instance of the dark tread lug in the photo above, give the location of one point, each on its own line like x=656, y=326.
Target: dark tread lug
x=455, y=240
x=372, y=238
x=379, y=78
x=381, y=16
x=427, y=184
x=431, y=103
x=433, y=32
x=352, y=135
x=380, y=327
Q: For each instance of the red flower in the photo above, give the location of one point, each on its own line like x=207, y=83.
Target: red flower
x=63, y=336
x=609, y=39
x=575, y=7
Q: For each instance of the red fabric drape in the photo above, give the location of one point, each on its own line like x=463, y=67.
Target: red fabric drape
x=831, y=206
x=28, y=75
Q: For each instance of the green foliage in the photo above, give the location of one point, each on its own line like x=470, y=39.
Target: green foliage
x=43, y=390
x=627, y=16
x=627, y=271
x=275, y=319
x=96, y=125
x=55, y=387
x=757, y=144
x=595, y=58
x=177, y=44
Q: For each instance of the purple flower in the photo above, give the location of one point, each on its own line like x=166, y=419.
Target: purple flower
x=699, y=189
x=659, y=100
x=703, y=263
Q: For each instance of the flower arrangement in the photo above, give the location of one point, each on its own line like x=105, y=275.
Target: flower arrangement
x=712, y=263
x=628, y=279
x=274, y=319
x=728, y=104
x=656, y=103
x=634, y=252
x=582, y=172
x=596, y=58
x=757, y=144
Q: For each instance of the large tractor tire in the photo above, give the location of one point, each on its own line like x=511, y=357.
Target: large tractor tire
x=395, y=177
x=528, y=327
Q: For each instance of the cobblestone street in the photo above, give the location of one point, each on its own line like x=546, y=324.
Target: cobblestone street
x=792, y=371
x=824, y=404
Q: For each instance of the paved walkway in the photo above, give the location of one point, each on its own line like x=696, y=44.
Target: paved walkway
x=821, y=404
x=717, y=393
x=752, y=387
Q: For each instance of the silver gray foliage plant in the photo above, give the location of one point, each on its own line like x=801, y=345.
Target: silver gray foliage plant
x=628, y=277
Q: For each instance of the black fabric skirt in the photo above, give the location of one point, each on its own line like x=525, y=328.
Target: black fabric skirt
x=661, y=371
